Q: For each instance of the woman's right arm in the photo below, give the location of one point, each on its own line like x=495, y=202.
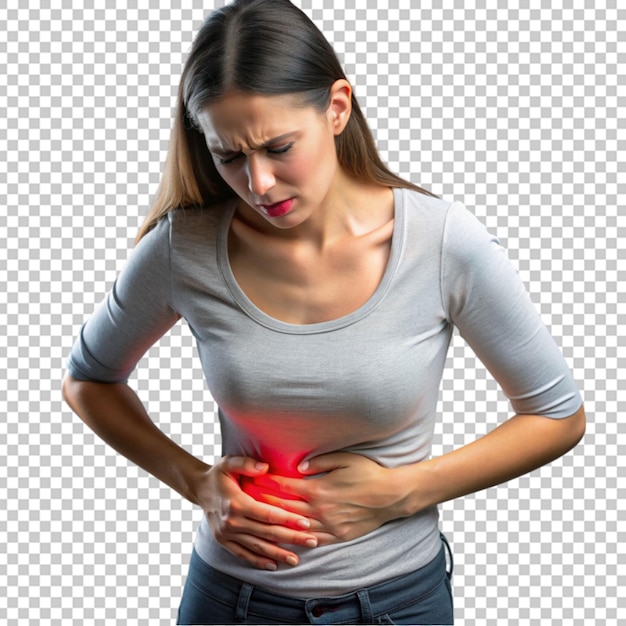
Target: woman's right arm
x=248, y=529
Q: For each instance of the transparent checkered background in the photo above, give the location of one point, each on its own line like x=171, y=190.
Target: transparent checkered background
x=519, y=113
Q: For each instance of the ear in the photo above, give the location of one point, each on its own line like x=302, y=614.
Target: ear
x=340, y=106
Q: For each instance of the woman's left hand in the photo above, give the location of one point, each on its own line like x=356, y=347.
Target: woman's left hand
x=345, y=495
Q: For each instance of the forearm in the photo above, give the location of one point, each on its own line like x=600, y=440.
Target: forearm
x=115, y=413
x=518, y=446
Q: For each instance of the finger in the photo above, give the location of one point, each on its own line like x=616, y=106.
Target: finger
x=324, y=463
x=260, y=540
x=283, y=486
x=273, y=515
x=277, y=486
x=244, y=465
x=281, y=534
x=304, y=509
x=254, y=558
x=325, y=538
x=299, y=507
x=245, y=507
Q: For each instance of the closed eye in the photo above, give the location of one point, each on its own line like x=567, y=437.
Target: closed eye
x=282, y=150
x=232, y=159
x=228, y=160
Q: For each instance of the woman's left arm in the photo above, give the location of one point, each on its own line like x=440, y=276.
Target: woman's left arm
x=518, y=446
x=350, y=495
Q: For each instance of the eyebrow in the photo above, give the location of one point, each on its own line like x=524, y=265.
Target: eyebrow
x=267, y=144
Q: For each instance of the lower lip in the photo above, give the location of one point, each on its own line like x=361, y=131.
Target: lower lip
x=279, y=209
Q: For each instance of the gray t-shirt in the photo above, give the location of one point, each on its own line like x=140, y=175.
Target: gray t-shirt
x=367, y=382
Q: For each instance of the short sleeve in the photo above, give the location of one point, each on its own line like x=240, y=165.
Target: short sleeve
x=488, y=303
x=133, y=316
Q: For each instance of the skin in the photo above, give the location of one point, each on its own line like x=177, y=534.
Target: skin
x=289, y=266
x=271, y=148
x=327, y=256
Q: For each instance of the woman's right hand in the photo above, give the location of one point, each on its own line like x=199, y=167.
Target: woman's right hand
x=249, y=529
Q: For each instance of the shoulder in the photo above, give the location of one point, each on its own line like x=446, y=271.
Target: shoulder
x=421, y=203
x=448, y=221
x=187, y=219
x=428, y=218
x=191, y=226
x=426, y=214
x=465, y=237
x=451, y=237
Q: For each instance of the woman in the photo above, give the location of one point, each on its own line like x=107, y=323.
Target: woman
x=322, y=290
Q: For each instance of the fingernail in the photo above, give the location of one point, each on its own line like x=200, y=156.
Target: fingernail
x=304, y=523
x=271, y=567
x=260, y=466
x=303, y=467
x=311, y=543
x=292, y=560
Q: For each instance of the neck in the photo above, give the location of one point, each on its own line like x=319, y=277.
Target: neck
x=350, y=209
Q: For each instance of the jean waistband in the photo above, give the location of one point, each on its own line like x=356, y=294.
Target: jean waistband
x=360, y=604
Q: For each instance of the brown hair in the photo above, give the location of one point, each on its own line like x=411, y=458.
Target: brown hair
x=268, y=47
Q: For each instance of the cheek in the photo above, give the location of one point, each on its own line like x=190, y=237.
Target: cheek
x=298, y=171
x=316, y=165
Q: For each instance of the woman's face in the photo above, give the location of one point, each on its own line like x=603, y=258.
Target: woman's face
x=277, y=155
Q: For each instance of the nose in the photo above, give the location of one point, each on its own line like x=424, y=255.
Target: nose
x=260, y=175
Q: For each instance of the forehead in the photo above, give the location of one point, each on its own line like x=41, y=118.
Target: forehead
x=240, y=119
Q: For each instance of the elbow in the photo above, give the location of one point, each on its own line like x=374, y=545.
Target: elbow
x=73, y=391
x=577, y=424
x=65, y=387
x=68, y=390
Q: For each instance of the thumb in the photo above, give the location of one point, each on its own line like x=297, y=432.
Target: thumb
x=323, y=463
x=244, y=465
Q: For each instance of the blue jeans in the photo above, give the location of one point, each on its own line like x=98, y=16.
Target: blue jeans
x=422, y=597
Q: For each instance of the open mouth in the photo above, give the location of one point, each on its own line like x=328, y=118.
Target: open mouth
x=279, y=209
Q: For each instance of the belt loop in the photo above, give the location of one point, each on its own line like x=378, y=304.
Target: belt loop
x=367, y=614
x=449, y=551
x=241, y=612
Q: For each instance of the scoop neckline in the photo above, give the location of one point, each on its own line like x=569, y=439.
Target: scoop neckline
x=259, y=316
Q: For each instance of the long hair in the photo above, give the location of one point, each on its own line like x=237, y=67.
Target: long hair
x=267, y=47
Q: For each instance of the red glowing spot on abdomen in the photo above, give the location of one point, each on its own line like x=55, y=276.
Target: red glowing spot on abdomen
x=264, y=492
x=265, y=488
